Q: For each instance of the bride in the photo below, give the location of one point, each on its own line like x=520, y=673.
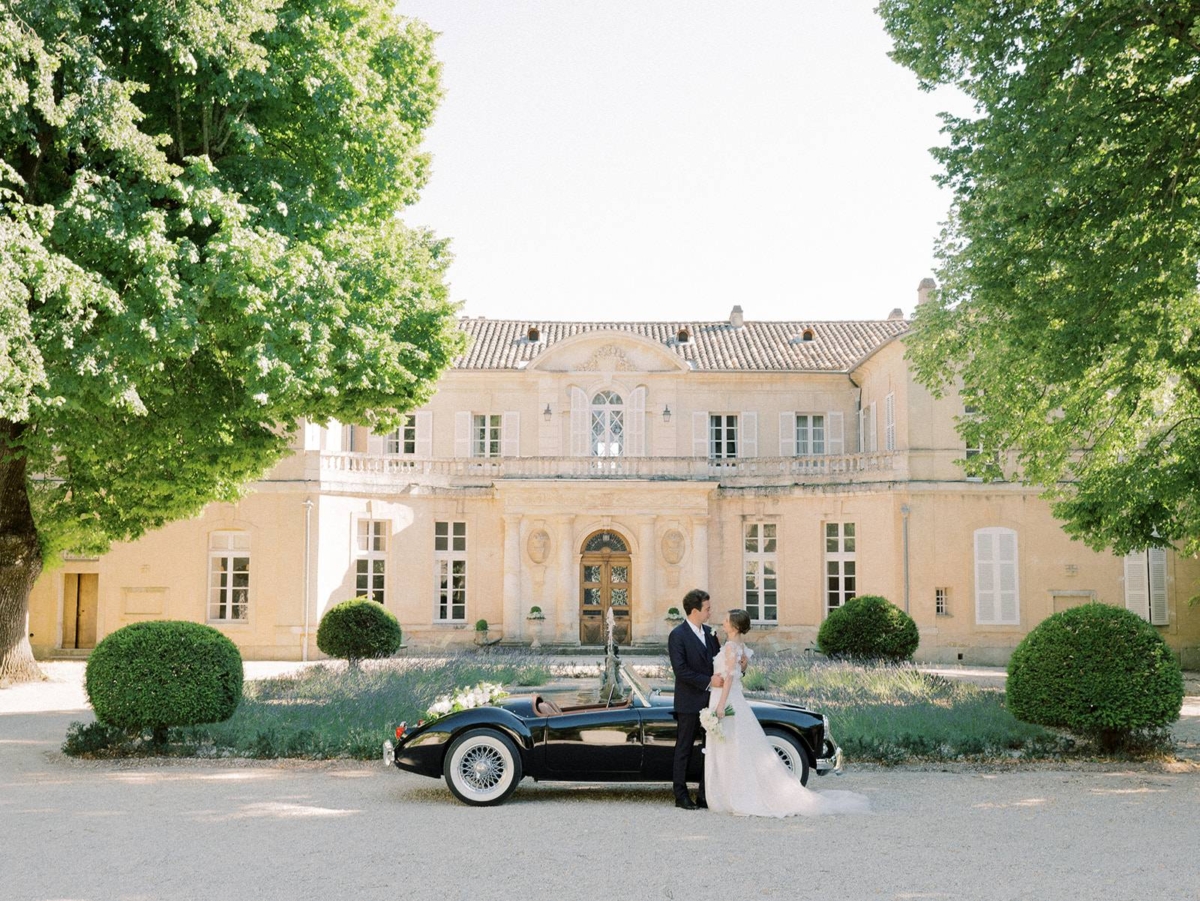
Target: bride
x=742, y=773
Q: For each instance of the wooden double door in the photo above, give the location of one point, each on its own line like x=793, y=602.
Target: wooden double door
x=605, y=580
x=81, y=594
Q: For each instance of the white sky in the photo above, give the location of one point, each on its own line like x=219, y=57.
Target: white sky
x=660, y=159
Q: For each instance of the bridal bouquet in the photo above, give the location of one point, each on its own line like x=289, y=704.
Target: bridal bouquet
x=712, y=723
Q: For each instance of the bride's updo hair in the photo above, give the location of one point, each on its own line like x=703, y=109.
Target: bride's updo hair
x=740, y=620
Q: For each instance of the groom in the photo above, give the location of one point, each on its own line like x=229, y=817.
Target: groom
x=692, y=646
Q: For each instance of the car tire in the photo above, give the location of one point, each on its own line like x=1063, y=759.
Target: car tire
x=482, y=767
x=789, y=750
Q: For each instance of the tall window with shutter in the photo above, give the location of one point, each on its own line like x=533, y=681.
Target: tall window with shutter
x=228, y=577
x=722, y=436
x=370, y=559
x=889, y=422
x=413, y=439
x=810, y=434
x=608, y=425
x=761, y=563
x=997, y=595
x=486, y=434
x=1146, y=585
x=450, y=570
x=841, y=564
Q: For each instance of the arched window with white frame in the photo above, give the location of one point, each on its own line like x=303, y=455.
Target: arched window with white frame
x=608, y=424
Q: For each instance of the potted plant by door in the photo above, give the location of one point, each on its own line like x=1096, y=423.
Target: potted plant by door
x=481, y=631
x=535, y=620
x=673, y=615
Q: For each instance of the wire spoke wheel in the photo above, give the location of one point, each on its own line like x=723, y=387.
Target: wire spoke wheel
x=482, y=767
x=789, y=752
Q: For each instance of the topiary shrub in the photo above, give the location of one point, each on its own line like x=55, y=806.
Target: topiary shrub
x=869, y=627
x=153, y=675
x=357, y=630
x=1097, y=670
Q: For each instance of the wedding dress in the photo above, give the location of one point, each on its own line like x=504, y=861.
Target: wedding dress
x=742, y=773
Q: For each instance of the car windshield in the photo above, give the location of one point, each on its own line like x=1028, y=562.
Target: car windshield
x=635, y=682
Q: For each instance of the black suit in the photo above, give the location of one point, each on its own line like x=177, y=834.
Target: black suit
x=693, y=666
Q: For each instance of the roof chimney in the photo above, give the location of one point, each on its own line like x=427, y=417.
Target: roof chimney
x=735, y=316
x=923, y=289
x=896, y=314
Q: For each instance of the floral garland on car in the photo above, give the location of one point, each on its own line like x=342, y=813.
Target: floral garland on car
x=466, y=698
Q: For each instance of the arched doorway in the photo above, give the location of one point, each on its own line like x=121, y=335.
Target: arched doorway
x=605, y=576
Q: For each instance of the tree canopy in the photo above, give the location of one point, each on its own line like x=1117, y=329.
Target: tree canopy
x=199, y=245
x=1068, y=307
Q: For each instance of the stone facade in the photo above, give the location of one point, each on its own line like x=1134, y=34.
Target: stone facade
x=582, y=467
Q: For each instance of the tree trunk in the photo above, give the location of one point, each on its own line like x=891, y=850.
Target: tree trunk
x=20, y=561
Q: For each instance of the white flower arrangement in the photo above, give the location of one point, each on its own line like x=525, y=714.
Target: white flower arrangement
x=712, y=723
x=465, y=699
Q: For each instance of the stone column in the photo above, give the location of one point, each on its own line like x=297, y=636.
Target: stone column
x=514, y=619
x=566, y=609
x=700, y=574
x=646, y=604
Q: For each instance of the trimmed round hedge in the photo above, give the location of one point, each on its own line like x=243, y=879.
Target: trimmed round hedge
x=164, y=673
x=359, y=629
x=869, y=627
x=1097, y=670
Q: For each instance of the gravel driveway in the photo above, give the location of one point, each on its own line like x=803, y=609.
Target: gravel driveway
x=181, y=830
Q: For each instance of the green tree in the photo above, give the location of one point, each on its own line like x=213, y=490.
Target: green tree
x=1068, y=303
x=199, y=245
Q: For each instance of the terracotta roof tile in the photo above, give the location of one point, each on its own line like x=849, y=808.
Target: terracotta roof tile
x=715, y=346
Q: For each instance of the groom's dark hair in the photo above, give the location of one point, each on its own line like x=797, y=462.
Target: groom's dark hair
x=694, y=600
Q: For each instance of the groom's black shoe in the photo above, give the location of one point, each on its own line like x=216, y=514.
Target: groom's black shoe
x=701, y=804
x=685, y=803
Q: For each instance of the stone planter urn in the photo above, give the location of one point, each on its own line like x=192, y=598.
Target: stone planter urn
x=534, y=621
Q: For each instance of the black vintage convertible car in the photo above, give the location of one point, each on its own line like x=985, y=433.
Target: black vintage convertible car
x=484, y=752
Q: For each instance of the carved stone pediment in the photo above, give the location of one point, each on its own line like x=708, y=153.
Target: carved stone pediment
x=608, y=358
x=608, y=351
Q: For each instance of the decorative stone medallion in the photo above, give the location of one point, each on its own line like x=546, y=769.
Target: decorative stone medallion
x=538, y=546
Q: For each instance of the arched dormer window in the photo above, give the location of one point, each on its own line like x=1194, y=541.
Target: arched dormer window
x=683, y=336
x=533, y=335
x=808, y=335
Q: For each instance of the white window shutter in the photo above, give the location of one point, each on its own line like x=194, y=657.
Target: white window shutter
x=985, y=577
x=1159, y=615
x=462, y=434
x=580, y=423
x=376, y=444
x=834, y=429
x=889, y=422
x=510, y=434
x=699, y=434
x=787, y=434
x=1137, y=591
x=424, y=424
x=862, y=438
x=748, y=443
x=1006, y=576
x=872, y=429
x=635, y=423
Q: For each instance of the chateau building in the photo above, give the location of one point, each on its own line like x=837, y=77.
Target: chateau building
x=593, y=467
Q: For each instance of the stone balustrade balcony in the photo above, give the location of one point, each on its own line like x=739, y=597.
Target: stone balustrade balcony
x=391, y=470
